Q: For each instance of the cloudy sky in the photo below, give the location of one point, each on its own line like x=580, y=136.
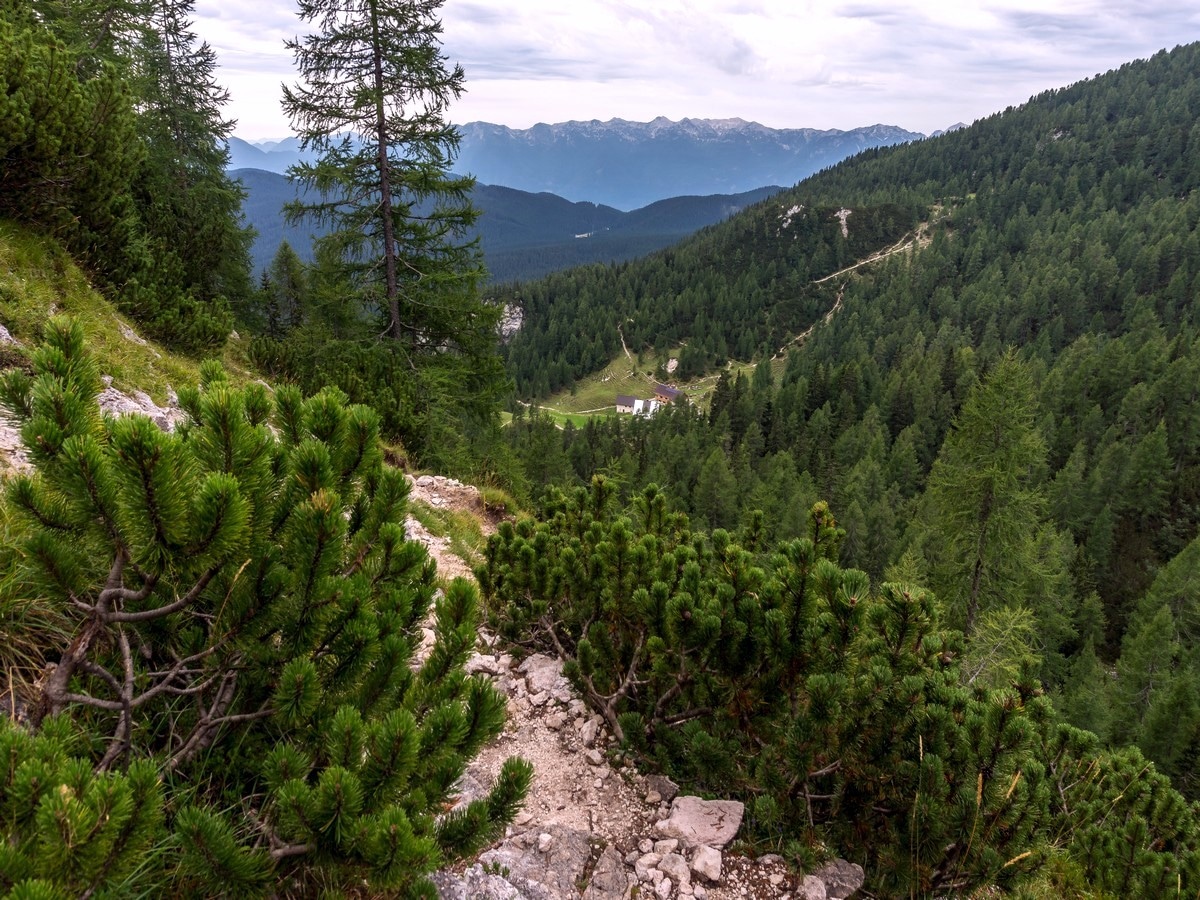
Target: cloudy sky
x=919, y=64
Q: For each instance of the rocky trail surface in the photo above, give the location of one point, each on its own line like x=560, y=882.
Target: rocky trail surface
x=593, y=827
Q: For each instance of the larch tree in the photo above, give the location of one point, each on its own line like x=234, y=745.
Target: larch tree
x=986, y=508
x=372, y=99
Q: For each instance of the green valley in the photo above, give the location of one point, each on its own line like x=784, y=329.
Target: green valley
x=910, y=565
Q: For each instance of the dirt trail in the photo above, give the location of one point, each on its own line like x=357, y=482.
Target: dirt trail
x=574, y=785
x=918, y=238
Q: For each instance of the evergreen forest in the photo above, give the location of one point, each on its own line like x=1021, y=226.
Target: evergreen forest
x=918, y=581
x=1003, y=412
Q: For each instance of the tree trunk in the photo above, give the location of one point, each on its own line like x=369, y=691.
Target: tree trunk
x=985, y=515
x=392, y=292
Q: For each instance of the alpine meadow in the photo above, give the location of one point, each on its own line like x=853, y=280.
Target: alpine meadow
x=902, y=558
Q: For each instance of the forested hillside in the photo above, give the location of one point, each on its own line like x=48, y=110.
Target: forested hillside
x=921, y=588
x=734, y=290
x=1006, y=414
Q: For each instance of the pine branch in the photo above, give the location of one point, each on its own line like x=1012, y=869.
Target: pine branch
x=55, y=695
x=210, y=723
x=607, y=703
x=288, y=850
x=158, y=612
x=688, y=715
x=165, y=680
x=122, y=736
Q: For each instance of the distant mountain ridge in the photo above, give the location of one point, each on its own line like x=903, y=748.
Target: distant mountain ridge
x=629, y=165
x=524, y=235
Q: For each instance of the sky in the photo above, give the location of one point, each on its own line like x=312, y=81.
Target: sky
x=919, y=64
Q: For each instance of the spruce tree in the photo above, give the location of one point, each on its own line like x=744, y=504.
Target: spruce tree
x=169, y=241
x=190, y=207
x=243, y=613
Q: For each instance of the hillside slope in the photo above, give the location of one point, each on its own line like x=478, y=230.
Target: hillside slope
x=39, y=279
x=1057, y=294
x=589, y=807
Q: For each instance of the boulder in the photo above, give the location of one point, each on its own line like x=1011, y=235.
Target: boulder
x=676, y=868
x=841, y=878
x=476, y=884
x=589, y=731
x=812, y=888
x=610, y=879
x=713, y=823
x=543, y=874
x=645, y=863
x=706, y=862
x=542, y=673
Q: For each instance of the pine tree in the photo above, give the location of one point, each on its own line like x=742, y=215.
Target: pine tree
x=839, y=712
x=170, y=243
x=70, y=149
x=243, y=612
x=784, y=680
x=66, y=830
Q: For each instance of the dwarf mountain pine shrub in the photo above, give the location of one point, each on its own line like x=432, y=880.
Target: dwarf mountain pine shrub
x=238, y=686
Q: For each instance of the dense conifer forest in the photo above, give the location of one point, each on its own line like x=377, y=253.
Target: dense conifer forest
x=1005, y=414
x=920, y=589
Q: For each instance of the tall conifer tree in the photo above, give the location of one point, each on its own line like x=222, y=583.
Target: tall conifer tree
x=372, y=102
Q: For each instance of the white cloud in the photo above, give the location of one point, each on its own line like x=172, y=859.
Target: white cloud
x=921, y=64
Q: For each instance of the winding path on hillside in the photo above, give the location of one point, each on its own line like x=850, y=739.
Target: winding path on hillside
x=917, y=238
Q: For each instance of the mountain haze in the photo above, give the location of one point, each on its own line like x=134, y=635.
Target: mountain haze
x=523, y=235
x=628, y=165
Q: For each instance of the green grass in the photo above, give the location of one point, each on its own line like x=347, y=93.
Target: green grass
x=38, y=279
x=467, y=540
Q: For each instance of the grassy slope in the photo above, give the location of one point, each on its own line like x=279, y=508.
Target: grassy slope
x=39, y=279
x=597, y=393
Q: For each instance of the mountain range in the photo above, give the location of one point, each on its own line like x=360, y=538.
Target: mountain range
x=523, y=235
x=628, y=165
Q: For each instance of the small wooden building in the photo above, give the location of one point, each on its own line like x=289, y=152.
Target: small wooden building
x=664, y=393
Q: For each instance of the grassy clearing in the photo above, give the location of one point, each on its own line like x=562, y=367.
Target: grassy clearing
x=597, y=393
x=39, y=279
